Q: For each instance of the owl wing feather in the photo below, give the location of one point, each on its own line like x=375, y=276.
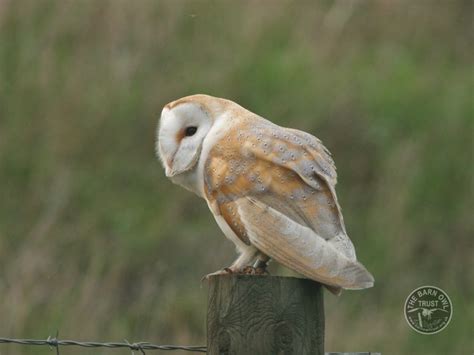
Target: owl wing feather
x=320, y=154
x=300, y=248
x=285, y=177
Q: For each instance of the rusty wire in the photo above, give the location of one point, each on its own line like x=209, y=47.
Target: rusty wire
x=55, y=343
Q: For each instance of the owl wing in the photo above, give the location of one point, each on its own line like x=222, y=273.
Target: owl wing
x=299, y=248
x=263, y=179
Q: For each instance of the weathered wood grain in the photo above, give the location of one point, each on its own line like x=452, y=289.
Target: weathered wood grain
x=250, y=314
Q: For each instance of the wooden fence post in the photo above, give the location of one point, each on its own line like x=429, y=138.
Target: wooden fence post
x=250, y=314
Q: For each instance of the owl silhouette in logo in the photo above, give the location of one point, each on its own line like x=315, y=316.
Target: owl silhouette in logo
x=271, y=189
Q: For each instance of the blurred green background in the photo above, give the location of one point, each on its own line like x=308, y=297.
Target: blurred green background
x=95, y=242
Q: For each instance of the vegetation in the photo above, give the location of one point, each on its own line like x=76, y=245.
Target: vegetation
x=95, y=242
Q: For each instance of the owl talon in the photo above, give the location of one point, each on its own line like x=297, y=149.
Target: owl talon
x=248, y=270
x=252, y=270
x=261, y=271
x=260, y=267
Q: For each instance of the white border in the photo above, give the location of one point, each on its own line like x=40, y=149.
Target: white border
x=450, y=316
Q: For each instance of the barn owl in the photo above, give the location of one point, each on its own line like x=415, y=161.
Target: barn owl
x=271, y=189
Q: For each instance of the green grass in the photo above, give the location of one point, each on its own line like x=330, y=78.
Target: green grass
x=96, y=242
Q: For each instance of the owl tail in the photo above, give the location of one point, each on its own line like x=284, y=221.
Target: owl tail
x=360, y=277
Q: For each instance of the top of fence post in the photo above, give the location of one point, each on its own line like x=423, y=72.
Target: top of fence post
x=250, y=314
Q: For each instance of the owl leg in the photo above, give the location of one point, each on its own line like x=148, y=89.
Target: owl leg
x=260, y=265
x=244, y=260
x=239, y=265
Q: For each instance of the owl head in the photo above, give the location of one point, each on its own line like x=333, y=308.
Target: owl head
x=184, y=124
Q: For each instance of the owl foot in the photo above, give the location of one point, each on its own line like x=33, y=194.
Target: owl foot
x=252, y=270
x=257, y=269
x=224, y=271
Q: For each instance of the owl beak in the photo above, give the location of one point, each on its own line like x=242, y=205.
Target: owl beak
x=172, y=169
x=169, y=163
x=169, y=171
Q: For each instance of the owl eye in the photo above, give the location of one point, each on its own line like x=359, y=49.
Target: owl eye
x=190, y=131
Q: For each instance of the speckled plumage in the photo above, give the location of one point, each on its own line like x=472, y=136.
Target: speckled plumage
x=271, y=189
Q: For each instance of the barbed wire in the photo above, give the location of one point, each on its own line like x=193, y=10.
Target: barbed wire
x=54, y=342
